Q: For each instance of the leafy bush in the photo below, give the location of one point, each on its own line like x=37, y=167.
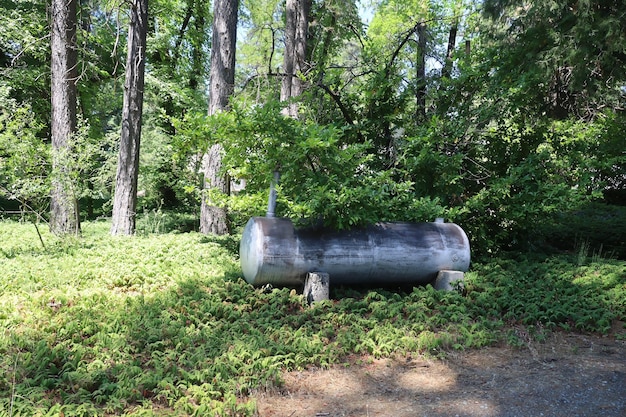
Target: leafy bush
x=24, y=157
x=500, y=183
x=323, y=176
x=500, y=174
x=595, y=229
x=164, y=180
x=25, y=161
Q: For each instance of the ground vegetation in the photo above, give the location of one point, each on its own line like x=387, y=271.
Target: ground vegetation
x=164, y=324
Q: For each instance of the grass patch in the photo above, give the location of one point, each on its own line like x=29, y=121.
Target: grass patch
x=164, y=325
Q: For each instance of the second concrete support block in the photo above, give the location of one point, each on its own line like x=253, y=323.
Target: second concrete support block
x=448, y=280
x=316, y=287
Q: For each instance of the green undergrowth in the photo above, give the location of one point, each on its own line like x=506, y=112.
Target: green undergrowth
x=593, y=229
x=164, y=325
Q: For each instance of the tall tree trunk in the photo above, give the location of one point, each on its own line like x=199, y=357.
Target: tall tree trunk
x=64, y=213
x=447, y=67
x=288, y=55
x=295, y=56
x=420, y=90
x=213, y=219
x=301, y=63
x=560, y=96
x=125, y=201
x=197, y=55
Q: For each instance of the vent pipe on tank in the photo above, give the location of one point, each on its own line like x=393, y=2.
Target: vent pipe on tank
x=271, y=203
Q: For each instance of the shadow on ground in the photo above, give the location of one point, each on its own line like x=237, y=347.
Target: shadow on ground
x=567, y=375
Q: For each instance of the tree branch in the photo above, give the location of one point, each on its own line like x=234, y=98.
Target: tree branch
x=337, y=99
x=181, y=32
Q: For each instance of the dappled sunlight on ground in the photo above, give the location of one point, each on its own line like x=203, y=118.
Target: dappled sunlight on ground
x=567, y=375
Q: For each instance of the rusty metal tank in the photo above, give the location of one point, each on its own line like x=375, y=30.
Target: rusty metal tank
x=273, y=252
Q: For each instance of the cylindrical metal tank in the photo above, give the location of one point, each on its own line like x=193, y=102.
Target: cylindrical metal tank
x=273, y=252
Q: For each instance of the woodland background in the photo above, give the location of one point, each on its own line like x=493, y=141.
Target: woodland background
x=498, y=115
x=506, y=117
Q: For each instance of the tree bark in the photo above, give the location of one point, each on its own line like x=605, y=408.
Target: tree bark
x=125, y=201
x=295, y=56
x=301, y=65
x=213, y=219
x=288, y=59
x=446, y=71
x=64, y=212
x=197, y=54
x=420, y=90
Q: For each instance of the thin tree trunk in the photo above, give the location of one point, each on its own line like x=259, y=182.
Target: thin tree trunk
x=213, y=219
x=64, y=212
x=302, y=31
x=295, y=56
x=125, y=201
x=420, y=90
x=288, y=56
x=197, y=53
x=447, y=68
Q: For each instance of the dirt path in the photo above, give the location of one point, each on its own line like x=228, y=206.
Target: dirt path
x=566, y=376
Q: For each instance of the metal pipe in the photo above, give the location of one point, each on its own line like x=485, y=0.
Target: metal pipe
x=271, y=202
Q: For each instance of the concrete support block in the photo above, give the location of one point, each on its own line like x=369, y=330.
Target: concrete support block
x=448, y=280
x=316, y=287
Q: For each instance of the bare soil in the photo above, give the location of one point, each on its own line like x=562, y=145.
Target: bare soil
x=567, y=375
